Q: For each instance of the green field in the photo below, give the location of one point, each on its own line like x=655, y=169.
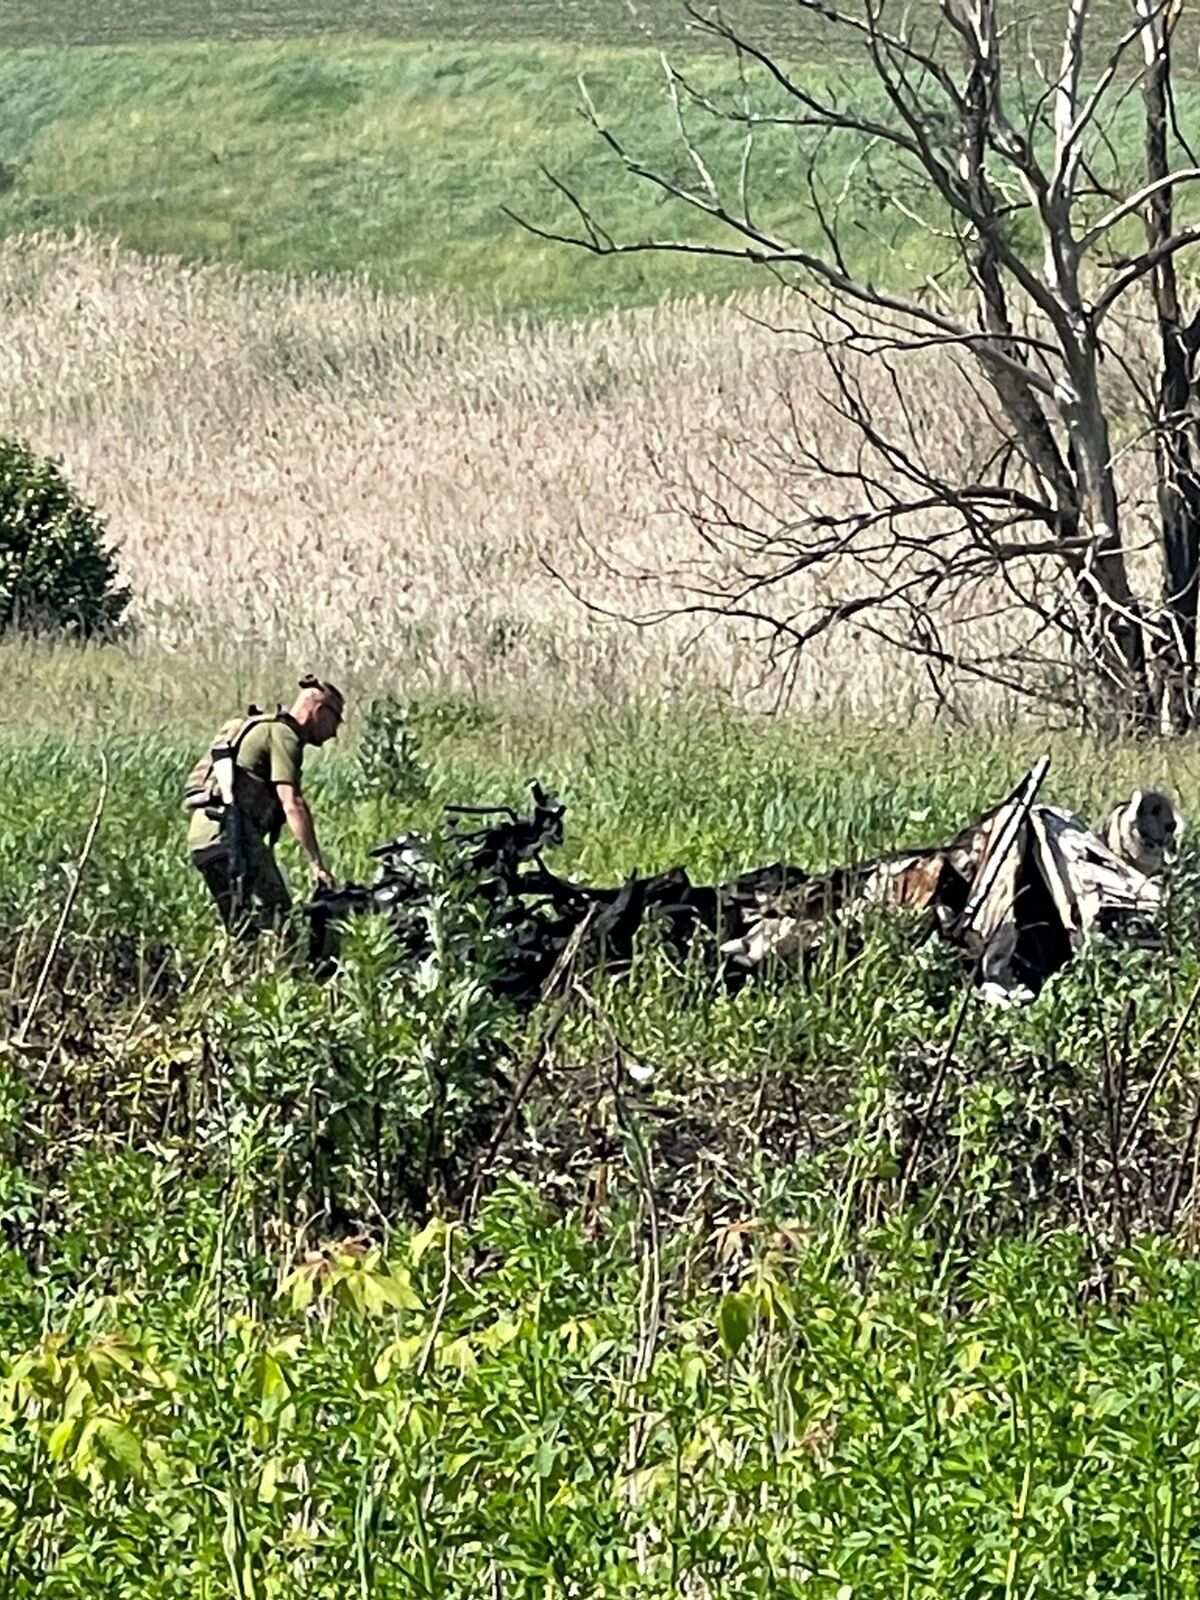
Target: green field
x=330, y=155
x=400, y=160
x=394, y=143
x=395, y=161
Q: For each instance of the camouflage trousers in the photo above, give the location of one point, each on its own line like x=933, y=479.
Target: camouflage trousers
x=265, y=901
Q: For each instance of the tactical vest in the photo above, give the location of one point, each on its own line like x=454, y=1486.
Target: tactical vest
x=202, y=789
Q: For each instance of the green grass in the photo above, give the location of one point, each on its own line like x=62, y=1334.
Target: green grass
x=397, y=161
x=394, y=161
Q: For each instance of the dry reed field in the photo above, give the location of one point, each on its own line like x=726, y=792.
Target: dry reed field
x=383, y=486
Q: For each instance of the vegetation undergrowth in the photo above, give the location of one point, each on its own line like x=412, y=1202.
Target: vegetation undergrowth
x=282, y=1315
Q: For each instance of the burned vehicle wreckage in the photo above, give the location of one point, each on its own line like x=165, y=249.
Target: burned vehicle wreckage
x=1017, y=892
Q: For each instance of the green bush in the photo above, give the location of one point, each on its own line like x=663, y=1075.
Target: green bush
x=388, y=764
x=56, y=571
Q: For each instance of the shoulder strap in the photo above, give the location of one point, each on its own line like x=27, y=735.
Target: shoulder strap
x=212, y=778
x=254, y=718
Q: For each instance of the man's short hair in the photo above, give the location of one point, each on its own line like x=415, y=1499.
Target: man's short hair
x=330, y=694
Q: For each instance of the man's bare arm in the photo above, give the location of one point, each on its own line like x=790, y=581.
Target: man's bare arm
x=302, y=828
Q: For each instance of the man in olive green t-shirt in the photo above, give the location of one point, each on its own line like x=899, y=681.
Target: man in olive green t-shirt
x=268, y=757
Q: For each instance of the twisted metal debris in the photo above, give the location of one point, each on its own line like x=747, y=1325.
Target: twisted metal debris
x=1018, y=892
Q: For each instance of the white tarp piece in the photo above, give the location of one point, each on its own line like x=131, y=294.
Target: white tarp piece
x=1020, y=890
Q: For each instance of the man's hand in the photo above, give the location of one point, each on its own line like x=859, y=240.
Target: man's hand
x=300, y=822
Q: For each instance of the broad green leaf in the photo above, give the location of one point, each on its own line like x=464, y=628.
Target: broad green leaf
x=271, y=1381
x=60, y=1439
x=1109, y=1403
x=394, y=1289
x=501, y=1332
x=430, y=1235
x=121, y=1445
x=78, y=1397
x=735, y=1319
x=971, y=1354
x=692, y=1369
x=299, y=1289
x=268, y=1483
x=397, y=1356
x=458, y=1355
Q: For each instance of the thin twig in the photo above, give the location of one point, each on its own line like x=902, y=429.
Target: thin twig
x=1161, y=1070
x=935, y=1095
x=68, y=906
x=650, y=1295
x=443, y=1301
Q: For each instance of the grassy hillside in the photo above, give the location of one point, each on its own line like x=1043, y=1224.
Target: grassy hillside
x=397, y=161
x=390, y=160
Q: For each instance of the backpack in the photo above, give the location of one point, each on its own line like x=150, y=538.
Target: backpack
x=208, y=787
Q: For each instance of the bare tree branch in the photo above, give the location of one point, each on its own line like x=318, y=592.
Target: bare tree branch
x=1135, y=202
x=1030, y=519
x=1136, y=269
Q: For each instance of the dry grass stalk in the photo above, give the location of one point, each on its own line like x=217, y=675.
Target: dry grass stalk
x=315, y=470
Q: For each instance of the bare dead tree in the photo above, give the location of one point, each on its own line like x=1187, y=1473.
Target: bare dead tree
x=1057, y=243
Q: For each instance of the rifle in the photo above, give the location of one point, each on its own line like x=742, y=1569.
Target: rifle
x=224, y=764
